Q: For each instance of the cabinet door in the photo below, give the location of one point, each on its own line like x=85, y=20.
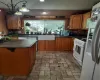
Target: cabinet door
x=41, y=45
x=58, y=44
x=32, y=54
x=71, y=22
x=67, y=23
x=64, y=44
x=85, y=17
x=50, y=45
x=67, y=44
x=13, y=22
x=76, y=22
x=3, y=23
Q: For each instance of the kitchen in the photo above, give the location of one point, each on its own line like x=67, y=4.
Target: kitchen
x=45, y=42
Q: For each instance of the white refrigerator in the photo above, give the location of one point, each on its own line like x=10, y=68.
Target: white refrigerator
x=91, y=62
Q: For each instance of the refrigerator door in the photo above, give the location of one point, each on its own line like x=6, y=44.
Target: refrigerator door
x=97, y=72
x=89, y=71
x=96, y=44
x=87, y=68
x=96, y=52
x=96, y=75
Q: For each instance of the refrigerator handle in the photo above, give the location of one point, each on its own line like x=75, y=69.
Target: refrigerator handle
x=95, y=43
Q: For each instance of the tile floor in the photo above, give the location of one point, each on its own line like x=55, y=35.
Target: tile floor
x=52, y=66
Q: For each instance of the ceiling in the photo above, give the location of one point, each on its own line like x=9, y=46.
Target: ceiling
x=55, y=7
x=57, y=4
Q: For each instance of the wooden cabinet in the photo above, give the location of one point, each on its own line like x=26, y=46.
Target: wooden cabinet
x=75, y=22
x=13, y=22
x=60, y=44
x=3, y=23
x=20, y=62
x=41, y=45
x=46, y=45
x=85, y=17
x=32, y=51
x=64, y=44
x=67, y=23
x=50, y=45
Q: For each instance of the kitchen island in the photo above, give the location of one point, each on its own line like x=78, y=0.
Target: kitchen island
x=17, y=57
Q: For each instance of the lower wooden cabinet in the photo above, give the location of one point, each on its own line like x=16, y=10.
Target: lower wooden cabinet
x=20, y=62
x=50, y=45
x=46, y=45
x=41, y=45
x=64, y=44
x=59, y=44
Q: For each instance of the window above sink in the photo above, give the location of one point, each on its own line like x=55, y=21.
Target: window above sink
x=44, y=26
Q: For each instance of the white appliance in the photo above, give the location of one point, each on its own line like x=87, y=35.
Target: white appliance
x=91, y=62
x=78, y=50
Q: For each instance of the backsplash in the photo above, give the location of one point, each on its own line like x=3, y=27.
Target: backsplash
x=44, y=26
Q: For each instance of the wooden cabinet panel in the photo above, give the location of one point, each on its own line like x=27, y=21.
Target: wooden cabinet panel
x=3, y=23
x=13, y=22
x=41, y=45
x=85, y=17
x=50, y=45
x=20, y=62
x=64, y=44
x=76, y=22
x=32, y=52
x=67, y=23
x=46, y=45
x=60, y=44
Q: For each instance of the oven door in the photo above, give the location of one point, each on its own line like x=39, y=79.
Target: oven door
x=78, y=49
x=78, y=53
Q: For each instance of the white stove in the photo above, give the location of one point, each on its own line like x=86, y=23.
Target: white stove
x=78, y=50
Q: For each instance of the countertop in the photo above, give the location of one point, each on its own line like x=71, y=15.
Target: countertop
x=25, y=43
x=30, y=35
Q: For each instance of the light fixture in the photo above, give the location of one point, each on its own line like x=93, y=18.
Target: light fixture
x=42, y=0
x=44, y=13
x=18, y=13
x=24, y=9
x=96, y=13
x=13, y=7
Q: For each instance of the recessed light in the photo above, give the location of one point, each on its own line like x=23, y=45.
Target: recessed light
x=0, y=10
x=42, y=0
x=44, y=13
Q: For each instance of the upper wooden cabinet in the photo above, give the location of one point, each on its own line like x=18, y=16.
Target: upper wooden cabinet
x=67, y=23
x=13, y=22
x=75, y=22
x=3, y=23
x=85, y=17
